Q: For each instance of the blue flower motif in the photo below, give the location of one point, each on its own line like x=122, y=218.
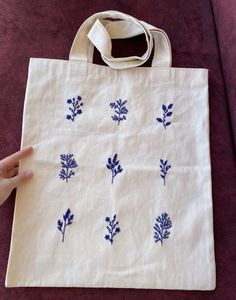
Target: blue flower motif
x=164, y=169
x=112, y=228
x=67, y=163
x=74, y=107
x=114, y=166
x=166, y=114
x=68, y=218
x=163, y=223
x=120, y=110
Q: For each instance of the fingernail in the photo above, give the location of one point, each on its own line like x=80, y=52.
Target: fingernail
x=28, y=174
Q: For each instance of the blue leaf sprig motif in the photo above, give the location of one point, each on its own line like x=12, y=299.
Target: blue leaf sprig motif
x=114, y=165
x=161, y=228
x=67, y=220
x=67, y=163
x=120, y=110
x=112, y=228
x=166, y=114
x=74, y=107
x=164, y=167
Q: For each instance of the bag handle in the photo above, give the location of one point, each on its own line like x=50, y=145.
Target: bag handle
x=101, y=39
x=99, y=31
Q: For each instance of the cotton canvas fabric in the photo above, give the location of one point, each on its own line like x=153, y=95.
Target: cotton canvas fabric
x=138, y=195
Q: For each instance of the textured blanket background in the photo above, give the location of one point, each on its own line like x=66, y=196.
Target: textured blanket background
x=202, y=35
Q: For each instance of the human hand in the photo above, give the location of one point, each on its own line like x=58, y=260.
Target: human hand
x=9, y=177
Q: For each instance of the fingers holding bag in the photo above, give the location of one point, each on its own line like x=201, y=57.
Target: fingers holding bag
x=9, y=177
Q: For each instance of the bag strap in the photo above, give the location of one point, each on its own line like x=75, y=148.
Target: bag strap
x=99, y=31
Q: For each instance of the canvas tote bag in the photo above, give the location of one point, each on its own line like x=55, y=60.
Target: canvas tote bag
x=121, y=193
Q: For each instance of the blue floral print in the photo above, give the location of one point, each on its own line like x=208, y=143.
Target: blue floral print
x=161, y=232
x=164, y=167
x=67, y=163
x=67, y=220
x=114, y=165
x=74, y=107
x=120, y=110
x=166, y=114
x=112, y=228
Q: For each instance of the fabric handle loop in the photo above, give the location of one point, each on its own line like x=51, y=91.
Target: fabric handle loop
x=101, y=39
x=98, y=31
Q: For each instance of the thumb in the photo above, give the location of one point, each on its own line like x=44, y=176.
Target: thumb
x=17, y=180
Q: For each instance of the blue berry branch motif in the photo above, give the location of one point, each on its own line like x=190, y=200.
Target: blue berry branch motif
x=164, y=169
x=67, y=163
x=166, y=114
x=114, y=165
x=67, y=220
x=120, y=110
x=74, y=107
x=112, y=228
x=161, y=228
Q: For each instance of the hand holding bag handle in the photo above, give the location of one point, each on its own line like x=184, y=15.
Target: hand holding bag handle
x=100, y=31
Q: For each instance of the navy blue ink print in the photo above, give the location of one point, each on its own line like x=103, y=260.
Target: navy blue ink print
x=112, y=228
x=120, y=110
x=166, y=113
x=61, y=225
x=74, y=107
x=67, y=163
x=164, y=169
x=114, y=166
x=163, y=223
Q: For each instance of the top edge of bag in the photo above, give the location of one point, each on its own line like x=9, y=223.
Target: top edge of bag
x=74, y=62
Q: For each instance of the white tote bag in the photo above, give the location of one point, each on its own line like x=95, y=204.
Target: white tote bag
x=121, y=194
